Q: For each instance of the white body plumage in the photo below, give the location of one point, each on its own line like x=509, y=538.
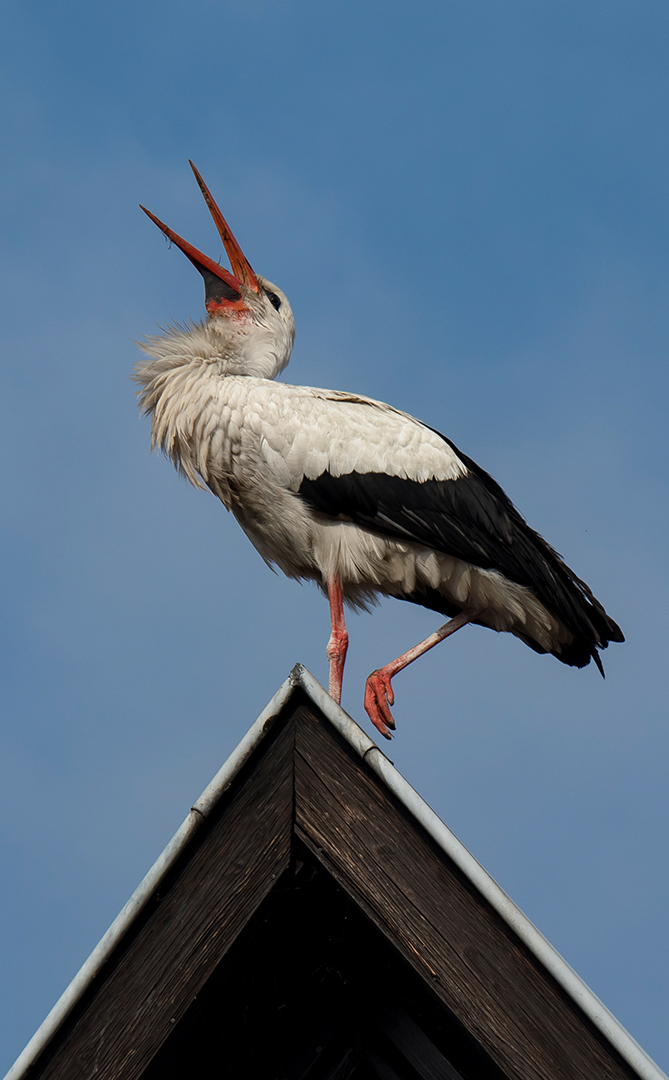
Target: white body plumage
x=253, y=441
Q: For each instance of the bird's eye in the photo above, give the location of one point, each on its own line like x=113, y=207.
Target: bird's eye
x=273, y=299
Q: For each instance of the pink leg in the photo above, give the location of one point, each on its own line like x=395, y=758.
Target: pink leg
x=338, y=643
x=378, y=690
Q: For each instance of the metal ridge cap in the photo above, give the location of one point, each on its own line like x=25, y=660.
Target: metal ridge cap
x=602, y=1018
x=103, y=950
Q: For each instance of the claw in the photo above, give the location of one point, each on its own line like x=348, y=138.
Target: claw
x=379, y=697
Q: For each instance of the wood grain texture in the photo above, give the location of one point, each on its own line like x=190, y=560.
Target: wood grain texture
x=431, y=912
x=227, y=871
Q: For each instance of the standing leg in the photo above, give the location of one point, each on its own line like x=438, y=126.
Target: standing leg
x=378, y=690
x=338, y=643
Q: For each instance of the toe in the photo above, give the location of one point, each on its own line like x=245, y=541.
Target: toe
x=376, y=704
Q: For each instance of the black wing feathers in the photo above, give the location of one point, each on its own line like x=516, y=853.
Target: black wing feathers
x=472, y=519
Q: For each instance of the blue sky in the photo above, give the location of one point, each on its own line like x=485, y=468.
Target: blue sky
x=466, y=203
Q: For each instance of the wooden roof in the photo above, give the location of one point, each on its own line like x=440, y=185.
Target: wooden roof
x=312, y=918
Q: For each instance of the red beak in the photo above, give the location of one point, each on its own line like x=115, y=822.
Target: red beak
x=223, y=292
x=238, y=261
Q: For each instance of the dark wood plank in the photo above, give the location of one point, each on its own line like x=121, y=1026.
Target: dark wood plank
x=381, y=1068
x=419, y=1051
x=234, y=863
x=445, y=929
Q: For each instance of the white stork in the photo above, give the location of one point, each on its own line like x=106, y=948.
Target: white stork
x=348, y=492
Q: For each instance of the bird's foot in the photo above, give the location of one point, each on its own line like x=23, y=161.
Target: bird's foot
x=379, y=697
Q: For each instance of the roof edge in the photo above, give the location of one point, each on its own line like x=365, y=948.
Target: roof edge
x=366, y=748
x=146, y=888
x=602, y=1018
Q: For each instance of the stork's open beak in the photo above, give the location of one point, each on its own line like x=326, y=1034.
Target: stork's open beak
x=223, y=292
x=241, y=266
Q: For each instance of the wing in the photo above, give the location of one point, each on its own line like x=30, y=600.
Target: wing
x=471, y=518
x=307, y=432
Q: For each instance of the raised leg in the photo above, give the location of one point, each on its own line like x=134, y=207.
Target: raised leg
x=379, y=694
x=338, y=643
